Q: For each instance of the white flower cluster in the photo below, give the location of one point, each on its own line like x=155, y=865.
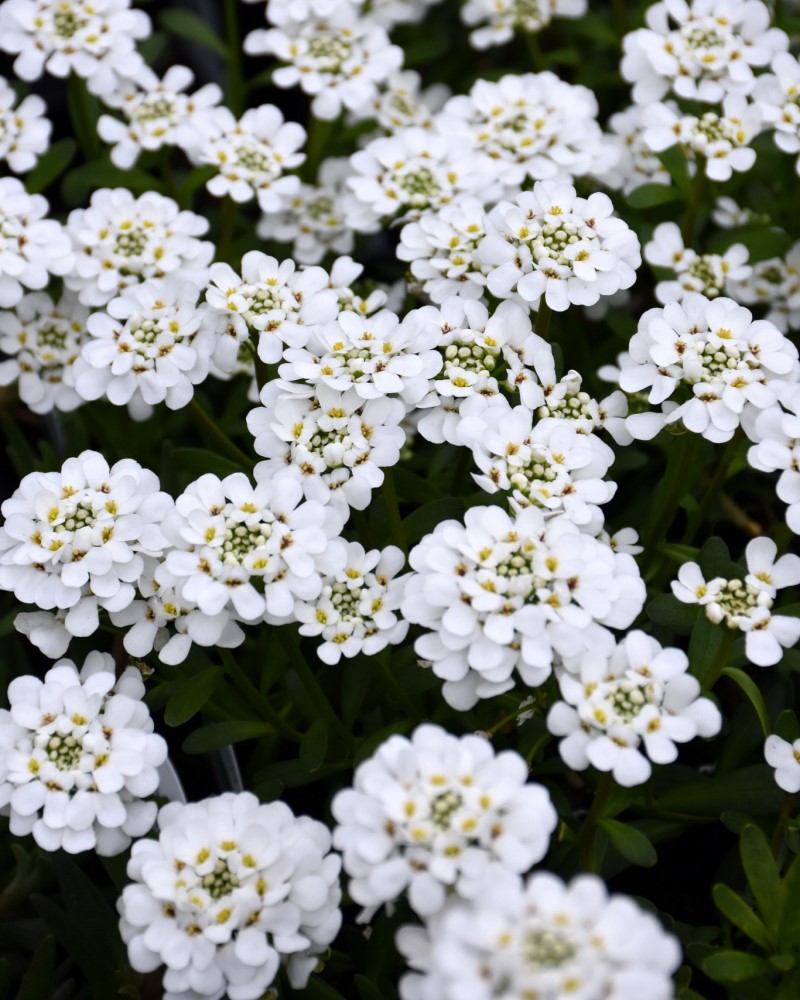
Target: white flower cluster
x=78, y=757
x=24, y=131
x=777, y=449
x=774, y=283
x=497, y=20
x=231, y=890
x=636, y=163
x=745, y=604
x=776, y=95
x=436, y=813
x=708, y=274
x=627, y=708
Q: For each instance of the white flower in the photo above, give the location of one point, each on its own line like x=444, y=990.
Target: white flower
x=94, y=38
x=700, y=49
x=785, y=758
x=251, y=155
x=355, y=612
x=46, y=630
x=42, y=341
x=400, y=104
x=31, y=246
x=774, y=283
x=777, y=434
x=436, y=813
x=120, y=240
x=711, y=358
x=156, y=113
x=728, y=214
x=778, y=98
x=78, y=756
x=503, y=593
x=710, y=274
x=567, y=400
x=230, y=891
x=497, y=20
x=540, y=938
x=624, y=710
x=331, y=445
x=337, y=59
x=550, y=244
x=73, y=540
x=636, y=163
x=24, y=131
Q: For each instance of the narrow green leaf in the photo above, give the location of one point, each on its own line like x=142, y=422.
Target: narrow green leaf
x=667, y=610
x=631, y=843
x=38, y=981
x=188, y=25
x=750, y=688
x=368, y=990
x=747, y=789
x=735, y=966
x=195, y=462
x=674, y=160
x=650, y=195
x=224, y=734
x=762, y=242
x=189, y=696
x=51, y=165
x=762, y=876
x=314, y=745
x=426, y=518
x=731, y=905
x=784, y=961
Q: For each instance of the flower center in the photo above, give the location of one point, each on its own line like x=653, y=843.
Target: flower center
x=627, y=700
x=220, y=882
x=420, y=185
x=714, y=129
x=475, y=358
x=545, y=948
x=257, y=159
x=443, y=807
x=530, y=15
x=346, y=601
x=51, y=336
x=703, y=270
x=717, y=359
x=64, y=751
x=329, y=51
x=242, y=539
x=320, y=208
x=572, y=406
x=83, y=516
x=131, y=242
x=738, y=598
x=66, y=22
x=552, y=240
x=154, y=107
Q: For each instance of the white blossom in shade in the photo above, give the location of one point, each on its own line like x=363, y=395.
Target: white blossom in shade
x=96, y=39
x=719, y=143
x=710, y=274
x=271, y=301
x=121, y=240
x=728, y=214
x=775, y=284
x=636, y=163
x=785, y=758
x=711, y=358
x=441, y=247
x=231, y=890
x=374, y=355
x=41, y=340
x=332, y=445
x=540, y=938
x=24, y=131
x=152, y=345
x=434, y=813
x=621, y=712
x=700, y=50
x=78, y=756
x=416, y=169
x=777, y=449
x=251, y=155
x=356, y=611
x=338, y=59
x=74, y=540
x=344, y=275
x=392, y=12
x=482, y=354
x=314, y=218
x=497, y=20
x=547, y=463
x=532, y=126
x=155, y=113
x=777, y=95
x=46, y=630
x=32, y=247
x=401, y=103
x=504, y=593
x=567, y=400
x=551, y=245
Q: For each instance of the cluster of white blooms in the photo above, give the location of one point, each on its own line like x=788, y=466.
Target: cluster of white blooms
x=785, y=758
x=32, y=247
x=745, y=604
x=402, y=104
x=636, y=163
x=42, y=340
x=250, y=155
x=497, y=20
x=774, y=283
x=777, y=95
x=620, y=709
x=700, y=50
x=24, y=131
x=777, y=449
x=709, y=274
x=230, y=891
x=156, y=113
x=96, y=39
x=436, y=813
x=74, y=540
x=540, y=938
x=710, y=363
x=78, y=756
x=502, y=593
x=120, y=240
x=338, y=58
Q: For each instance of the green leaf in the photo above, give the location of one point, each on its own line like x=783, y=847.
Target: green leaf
x=735, y=966
x=784, y=961
x=762, y=242
x=762, y=876
x=78, y=183
x=747, y=790
x=224, y=734
x=314, y=745
x=188, y=25
x=631, y=843
x=751, y=689
x=674, y=160
x=38, y=981
x=51, y=165
x=787, y=726
x=741, y=915
x=189, y=696
x=195, y=462
x=666, y=609
x=704, y=645
x=715, y=559
x=650, y=195
x=414, y=488
x=368, y=990
x=426, y=518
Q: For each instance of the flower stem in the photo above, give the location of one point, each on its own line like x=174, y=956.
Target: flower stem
x=235, y=96
x=716, y=483
x=720, y=661
x=384, y=660
x=534, y=50
x=222, y=439
x=668, y=495
x=292, y=646
x=389, y=494
x=543, y=317
x=777, y=12
x=593, y=818
x=260, y=368
x=227, y=228
x=693, y=210
x=254, y=697
x=621, y=16
x=777, y=836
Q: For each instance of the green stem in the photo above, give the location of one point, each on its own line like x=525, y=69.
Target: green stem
x=165, y=164
x=777, y=13
x=228, y=212
x=400, y=694
x=311, y=684
x=389, y=494
x=543, y=317
x=534, y=50
x=361, y=524
x=255, y=698
x=668, y=495
x=692, y=212
x=720, y=661
x=777, y=836
x=235, y=97
x=621, y=16
x=715, y=484
x=261, y=369
x=84, y=122
x=593, y=818
x=461, y=470
x=222, y=439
